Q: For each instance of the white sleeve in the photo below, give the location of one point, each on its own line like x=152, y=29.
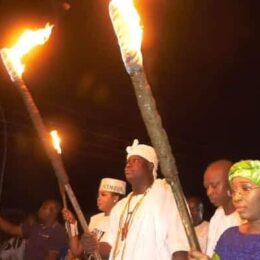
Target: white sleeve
x=91, y=225
x=215, y=227
x=177, y=239
x=210, y=243
x=109, y=237
x=113, y=224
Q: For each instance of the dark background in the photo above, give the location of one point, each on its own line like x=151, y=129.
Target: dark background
x=201, y=59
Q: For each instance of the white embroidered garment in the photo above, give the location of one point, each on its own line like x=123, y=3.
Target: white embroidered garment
x=12, y=249
x=218, y=224
x=154, y=230
x=99, y=225
x=202, y=234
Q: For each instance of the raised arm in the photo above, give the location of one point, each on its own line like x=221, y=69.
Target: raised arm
x=10, y=228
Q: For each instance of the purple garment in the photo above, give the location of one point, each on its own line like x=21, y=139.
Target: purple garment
x=41, y=239
x=234, y=245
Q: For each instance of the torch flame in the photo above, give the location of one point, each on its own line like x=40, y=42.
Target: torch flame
x=28, y=40
x=126, y=23
x=56, y=141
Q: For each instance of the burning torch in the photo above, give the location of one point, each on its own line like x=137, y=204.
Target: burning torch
x=126, y=23
x=12, y=60
x=56, y=142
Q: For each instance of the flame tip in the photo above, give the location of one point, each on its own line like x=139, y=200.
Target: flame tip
x=126, y=22
x=28, y=40
x=56, y=141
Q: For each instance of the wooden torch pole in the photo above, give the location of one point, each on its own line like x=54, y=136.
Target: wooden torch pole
x=55, y=159
x=126, y=23
x=162, y=146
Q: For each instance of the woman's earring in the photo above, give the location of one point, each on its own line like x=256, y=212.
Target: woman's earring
x=229, y=193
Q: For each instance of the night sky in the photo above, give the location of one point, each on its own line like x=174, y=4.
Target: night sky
x=202, y=62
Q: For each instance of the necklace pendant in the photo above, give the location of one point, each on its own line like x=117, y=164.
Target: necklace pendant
x=124, y=231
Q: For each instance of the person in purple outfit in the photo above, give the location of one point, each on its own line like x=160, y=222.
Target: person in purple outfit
x=45, y=238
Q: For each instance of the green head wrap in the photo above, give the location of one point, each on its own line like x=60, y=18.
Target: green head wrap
x=248, y=169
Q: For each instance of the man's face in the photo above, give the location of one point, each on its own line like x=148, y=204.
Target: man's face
x=216, y=185
x=48, y=211
x=196, y=210
x=137, y=168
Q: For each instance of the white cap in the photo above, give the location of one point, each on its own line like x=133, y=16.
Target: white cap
x=113, y=185
x=145, y=151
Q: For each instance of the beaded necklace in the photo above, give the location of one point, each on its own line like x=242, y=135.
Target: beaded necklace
x=125, y=225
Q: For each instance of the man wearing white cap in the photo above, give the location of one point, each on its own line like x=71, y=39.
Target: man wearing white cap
x=146, y=224
x=109, y=193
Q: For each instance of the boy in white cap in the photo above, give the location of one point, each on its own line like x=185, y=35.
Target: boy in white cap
x=109, y=193
x=146, y=224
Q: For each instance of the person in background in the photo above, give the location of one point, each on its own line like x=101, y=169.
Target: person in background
x=201, y=226
x=219, y=194
x=109, y=193
x=241, y=242
x=45, y=238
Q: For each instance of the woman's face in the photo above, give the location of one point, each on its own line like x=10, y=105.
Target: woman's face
x=106, y=200
x=246, y=198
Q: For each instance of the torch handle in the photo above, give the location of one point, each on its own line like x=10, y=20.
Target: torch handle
x=81, y=218
x=34, y=113
x=76, y=207
x=55, y=158
x=63, y=195
x=162, y=146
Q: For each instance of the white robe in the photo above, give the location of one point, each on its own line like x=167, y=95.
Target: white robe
x=13, y=249
x=218, y=224
x=156, y=230
x=99, y=225
x=202, y=234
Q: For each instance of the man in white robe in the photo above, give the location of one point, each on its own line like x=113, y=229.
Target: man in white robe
x=155, y=229
x=146, y=224
x=218, y=191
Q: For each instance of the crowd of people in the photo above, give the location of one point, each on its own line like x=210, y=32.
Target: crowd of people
x=146, y=224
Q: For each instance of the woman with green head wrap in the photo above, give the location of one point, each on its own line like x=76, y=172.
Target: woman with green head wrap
x=249, y=170
x=242, y=242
